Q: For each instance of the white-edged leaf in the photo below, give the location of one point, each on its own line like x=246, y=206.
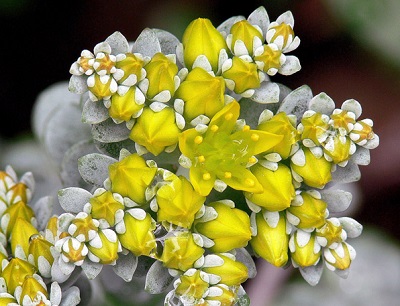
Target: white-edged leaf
x=168, y=41
x=296, y=102
x=322, y=103
x=312, y=274
x=337, y=200
x=77, y=84
x=94, y=112
x=362, y=156
x=260, y=17
x=352, y=227
x=268, y=92
x=147, y=43
x=118, y=43
x=91, y=269
x=350, y=173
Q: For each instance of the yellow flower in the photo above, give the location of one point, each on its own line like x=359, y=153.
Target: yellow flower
x=338, y=148
x=181, y=252
x=271, y=242
x=130, y=177
x=15, y=273
x=202, y=93
x=331, y=233
x=245, y=32
x=202, y=38
x=161, y=72
x=304, y=249
x=178, y=202
x=314, y=126
x=192, y=284
x=104, y=247
x=308, y=211
x=316, y=171
x=125, y=106
x=280, y=124
x=156, y=130
x=135, y=232
x=278, y=190
x=224, y=154
x=230, y=271
x=244, y=75
x=105, y=206
x=269, y=58
x=229, y=230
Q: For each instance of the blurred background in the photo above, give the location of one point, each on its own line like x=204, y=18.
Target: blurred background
x=349, y=49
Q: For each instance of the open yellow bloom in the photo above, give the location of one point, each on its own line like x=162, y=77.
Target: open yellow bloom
x=223, y=153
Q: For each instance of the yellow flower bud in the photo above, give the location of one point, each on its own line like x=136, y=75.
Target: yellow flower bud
x=244, y=31
x=227, y=296
x=230, y=230
x=178, y=202
x=310, y=213
x=231, y=272
x=156, y=130
x=6, y=299
x=278, y=188
x=280, y=124
x=315, y=127
x=244, y=74
x=104, y=246
x=305, y=251
x=40, y=255
x=362, y=132
x=123, y=107
x=20, y=192
x=339, y=258
x=338, y=148
x=72, y=250
x=269, y=59
x=130, y=177
x=102, y=86
x=21, y=234
x=202, y=93
x=181, y=252
x=83, y=227
x=31, y=287
x=161, y=72
x=15, y=273
x=130, y=64
x=331, y=233
x=192, y=284
x=52, y=228
x=13, y=212
x=271, y=243
x=135, y=232
x=316, y=172
x=202, y=38
x=105, y=206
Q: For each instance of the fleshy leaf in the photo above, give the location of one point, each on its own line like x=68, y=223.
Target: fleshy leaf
x=147, y=43
x=350, y=173
x=158, y=278
x=296, y=102
x=168, y=41
x=361, y=156
x=260, y=17
x=91, y=269
x=94, y=168
x=268, y=92
x=94, y=112
x=126, y=266
x=351, y=226
x=312, y=274
x=108, y=131
x=337, y=200
x=72, y=199
x=118, y=43
x=43, y=209
x=244, y=256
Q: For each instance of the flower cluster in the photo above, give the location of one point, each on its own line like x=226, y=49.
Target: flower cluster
x=198, y=163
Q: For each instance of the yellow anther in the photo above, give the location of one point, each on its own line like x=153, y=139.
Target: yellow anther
x=246, y=128
x=227, y=174
x=252, y=160
x=201, y=159
x=198, y=139
x=214, y=128
x=206, y=176
x=255, y=137
x=228, y=116
x=250, y=182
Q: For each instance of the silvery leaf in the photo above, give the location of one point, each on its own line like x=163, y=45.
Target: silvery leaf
x=361, y=156
x=77, y=84
x=260, y=17
x=337, y=200
x=158, y=278
x=64, y=128
x=43, y=209
x=296, y=102
x=94, y=168
x=168, y=41
x=250, y=111
x=351, y=226
x=147, y=43
x=243, y=298
x=91, y=269
x=268, y=92
x=244, y=256
x=125, y=266
x=69, y=173
x=72, y=199
x=322, y=103
x=113, y=148
x=71, y=297
x=312, y=274
x=108, y=131
x=118, y=43
x=348, y=174
x=94, y=112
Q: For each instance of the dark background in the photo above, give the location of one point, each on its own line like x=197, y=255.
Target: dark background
x=41, y=39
